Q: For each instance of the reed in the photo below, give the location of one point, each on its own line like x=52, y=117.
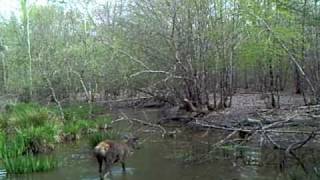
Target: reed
x=29, y=132
x=29, y=164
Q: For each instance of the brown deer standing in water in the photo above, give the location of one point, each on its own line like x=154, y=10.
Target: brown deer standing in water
x=111, y=152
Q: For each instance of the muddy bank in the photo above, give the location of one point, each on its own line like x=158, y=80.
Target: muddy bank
x=289, y=126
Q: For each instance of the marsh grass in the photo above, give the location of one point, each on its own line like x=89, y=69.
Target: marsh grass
x=26, y=115
x=11, y=146
x=32, y=128
x=78, y=123
x=102, y=121
x=29, y=164
x=15, y=161
x=40, y=139
x=79, y=111
x=73, y=130
x=29, y=132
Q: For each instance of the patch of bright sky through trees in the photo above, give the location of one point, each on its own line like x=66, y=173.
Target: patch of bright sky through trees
x=12, y=7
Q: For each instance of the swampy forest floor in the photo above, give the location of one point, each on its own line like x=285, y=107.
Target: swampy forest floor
x=293, y=125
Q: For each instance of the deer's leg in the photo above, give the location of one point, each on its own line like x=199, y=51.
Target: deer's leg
x=108, y=164
x=123, y=166
x=100, y=161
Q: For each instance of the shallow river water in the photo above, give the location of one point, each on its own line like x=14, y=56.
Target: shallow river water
x=173, y=159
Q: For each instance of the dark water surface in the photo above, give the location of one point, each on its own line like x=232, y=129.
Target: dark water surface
x=173, y=159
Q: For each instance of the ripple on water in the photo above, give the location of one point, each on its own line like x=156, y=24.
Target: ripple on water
x=116, y=172
x=3, y=174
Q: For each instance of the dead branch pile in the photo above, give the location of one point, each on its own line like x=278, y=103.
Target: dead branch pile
x=288, y=130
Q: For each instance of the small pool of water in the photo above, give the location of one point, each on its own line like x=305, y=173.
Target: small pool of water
x=156, y=161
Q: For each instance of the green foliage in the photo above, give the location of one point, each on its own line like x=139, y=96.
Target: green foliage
x=30, y=130
x=29, y=164
x=80, y=111
x=4, y=123
x=29, y=115
x=32, y=127
x=190, y=41
x=78, y=123
x=11, y=146
x=66, y=40
x=77, y=128
x=16, y=159
x=40, y=139
x=102, y=121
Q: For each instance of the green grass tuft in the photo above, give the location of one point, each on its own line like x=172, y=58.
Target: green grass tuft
x=40, y=139
x=29, y=164
x=11, y=146
x=74, y=129
x=30, y=131
x=79, y=111
x=27, y=115
x=102, y=121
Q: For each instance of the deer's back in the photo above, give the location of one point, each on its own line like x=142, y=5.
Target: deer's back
x=112, y=151
x=122, y=151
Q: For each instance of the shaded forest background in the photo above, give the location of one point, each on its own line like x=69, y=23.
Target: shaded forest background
x=183, y=52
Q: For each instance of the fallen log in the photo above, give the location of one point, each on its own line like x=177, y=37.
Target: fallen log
x=211, y=126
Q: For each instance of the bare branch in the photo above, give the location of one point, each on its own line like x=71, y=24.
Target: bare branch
x=126, y=118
